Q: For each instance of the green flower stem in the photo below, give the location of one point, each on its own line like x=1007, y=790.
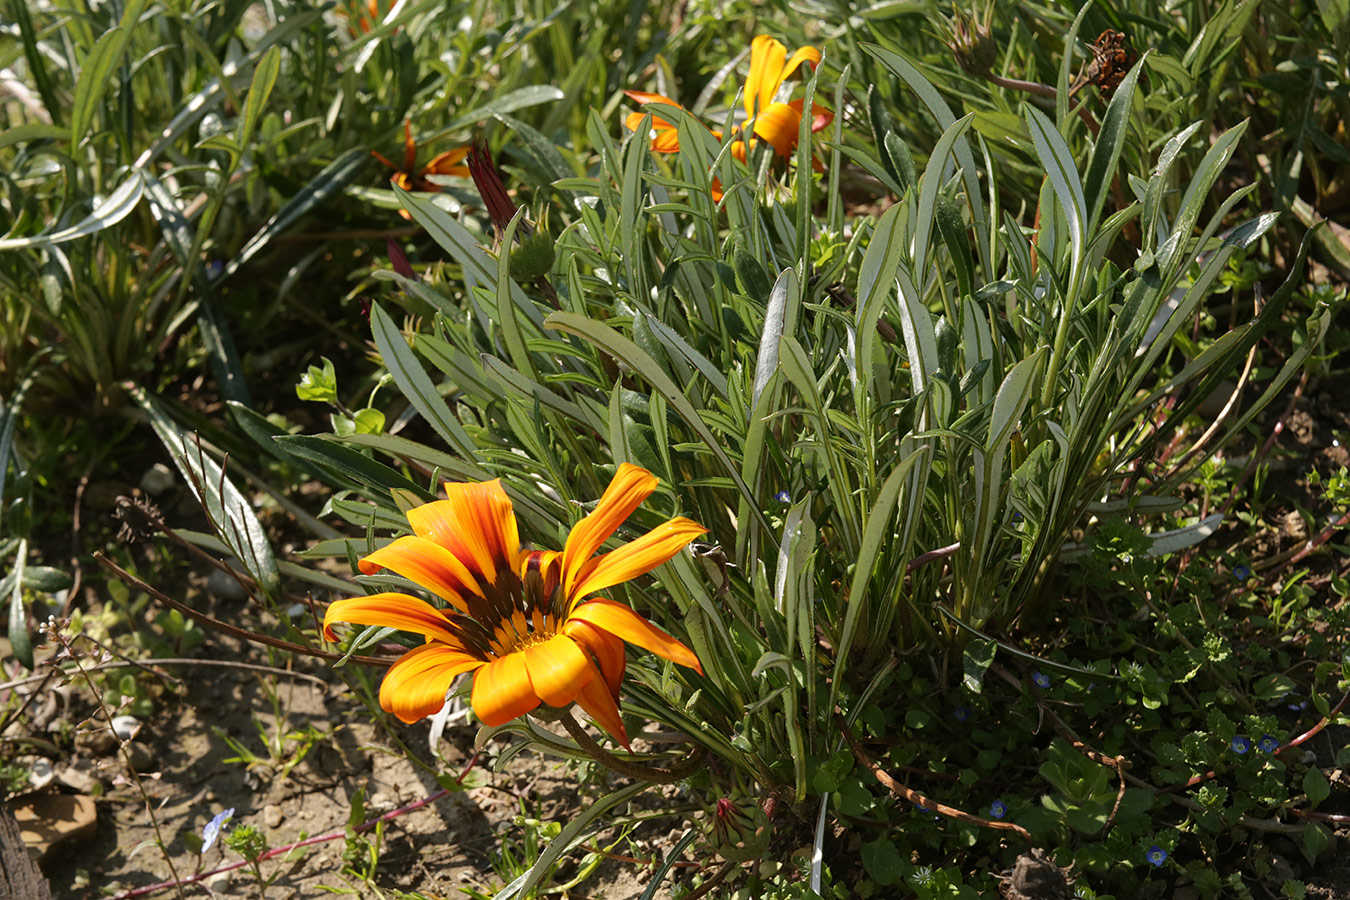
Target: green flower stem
x=610, y=761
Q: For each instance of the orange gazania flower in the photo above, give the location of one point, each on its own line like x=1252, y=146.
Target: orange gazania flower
x=525, y=623
x=410, y=178
x=767, y=118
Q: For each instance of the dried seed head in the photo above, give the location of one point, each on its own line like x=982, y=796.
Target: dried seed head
x=139, y=516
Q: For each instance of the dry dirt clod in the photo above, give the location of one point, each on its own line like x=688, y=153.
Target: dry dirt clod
x=1036, y=877
x=99, y=742
x=47, y=821
x=273, y=816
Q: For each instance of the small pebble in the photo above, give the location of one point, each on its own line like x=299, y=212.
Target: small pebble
x=125, y=727
x=219, y=883
x=41, y=774
x=272, y=815
x=225, y=587
x=157, y=479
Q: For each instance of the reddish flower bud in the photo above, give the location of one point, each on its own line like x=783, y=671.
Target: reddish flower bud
x=498, y=203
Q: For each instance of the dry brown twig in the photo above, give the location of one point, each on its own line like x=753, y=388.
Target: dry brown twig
x=913, y=796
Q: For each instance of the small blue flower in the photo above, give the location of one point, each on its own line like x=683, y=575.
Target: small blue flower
x=961, y=714
x=212, y=829
x=215, y=267
x=1296, y=706
x=921, y=807
x=1241, y=744
x=783, y=497
x=1268, y=744
x=1241, y=572
x=1042, y=681
x=1017, y=516
x=1156, y=855
x=998, y=809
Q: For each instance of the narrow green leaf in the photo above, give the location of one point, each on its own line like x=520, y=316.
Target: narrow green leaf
x=329, y=454
x=19, y=640
x=230, y=513
x=778, y=319
x=1057, y=160
x=114, y=208
x=1107, y=148
x=264, y=78
x=938, y=108
x=570, y=837
x=413, y=381
x=876, y=281
x=878, y=531
x=95, y=76
x=520, y=98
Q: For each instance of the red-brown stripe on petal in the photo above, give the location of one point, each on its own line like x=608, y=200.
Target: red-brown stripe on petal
x=428, y=564
x=622, y=622
x=629, y=487
x=634, y=558
x=605, y=647
x=391, y=611
x=476, y=523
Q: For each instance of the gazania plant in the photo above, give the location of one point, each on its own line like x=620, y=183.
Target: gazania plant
x=853, y=469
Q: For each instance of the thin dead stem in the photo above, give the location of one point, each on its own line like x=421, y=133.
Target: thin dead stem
x=913, y=796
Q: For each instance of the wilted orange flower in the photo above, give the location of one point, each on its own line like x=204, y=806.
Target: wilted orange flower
x=767, y=118
x=525, y=623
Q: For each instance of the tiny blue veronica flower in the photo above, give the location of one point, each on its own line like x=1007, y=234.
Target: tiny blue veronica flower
x=1042, y=681
x=1241, y=744
x=783, y=497
x=1268, y=744
x=212, y=829
x=961, y=713
x=1156, y=855
x=921, y=807
x=998, y=809
x=1242, y=573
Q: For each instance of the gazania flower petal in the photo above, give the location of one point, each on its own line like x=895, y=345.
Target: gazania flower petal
x=666, y=138
x=427, y=563
x=630, y=486
x=558, y=669
x=415, y=685
x=476, y=523
x=391, y=611
x=448, y=163
x=778, y=124
x=635, y=558
x=595, y=698
x=502, y=690
x=409, y=148
x=622, y=622
x=766, y=67
x=605, y=647
x=807, y=54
